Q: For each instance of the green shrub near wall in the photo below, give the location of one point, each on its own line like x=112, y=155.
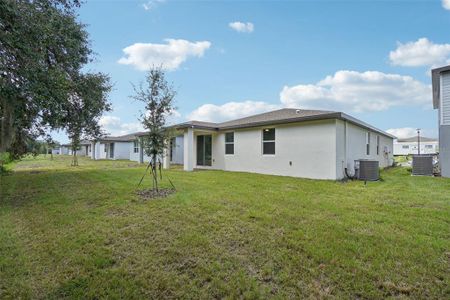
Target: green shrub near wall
x=5, y=158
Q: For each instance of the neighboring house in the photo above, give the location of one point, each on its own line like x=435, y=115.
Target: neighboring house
x=64, y=149
x=410, y=145
x=290, y=142
x=441, y=101
x=83, y=150
x=56, y=151
x=115, y=147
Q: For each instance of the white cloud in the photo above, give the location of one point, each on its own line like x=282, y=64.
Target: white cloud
x=170, y=56
x=402, y=133
x=407, y=132
x=358, y=92
x=230, y=110
x=114, y=126
x=446, y=4
x=420, y=53
x=149, y=5
x=242, y=27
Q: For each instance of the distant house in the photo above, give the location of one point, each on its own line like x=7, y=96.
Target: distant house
x=441, y=100
x=116, y=147
x=83, y=150
x=290, y=142
x=64, y=149
x=410, y=146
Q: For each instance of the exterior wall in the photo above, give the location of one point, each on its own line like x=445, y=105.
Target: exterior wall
x=304, y=149
x=134, y=156
x=101, y=151
x=444, y=150
x=122, y=150
x=354, y=147
x=444, y=126
x=412, y=148
x=177, y=154
x=64, y=150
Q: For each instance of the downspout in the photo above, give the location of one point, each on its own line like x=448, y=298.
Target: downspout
x=352, y=177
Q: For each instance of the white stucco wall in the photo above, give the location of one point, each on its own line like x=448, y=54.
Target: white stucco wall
x=177, y=155
x=122, y=150
x=355, y=147
x=134, y=156
x=64, y=150
x=304, y=149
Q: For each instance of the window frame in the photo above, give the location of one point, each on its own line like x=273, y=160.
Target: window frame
x=368, y=143
x=136, y=146
x=268, y=141
x=229, y=143
x=378, y=145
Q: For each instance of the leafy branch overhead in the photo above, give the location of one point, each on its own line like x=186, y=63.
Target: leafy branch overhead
x=43, y=48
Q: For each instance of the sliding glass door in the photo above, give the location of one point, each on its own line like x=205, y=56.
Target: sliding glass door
x=204, y=150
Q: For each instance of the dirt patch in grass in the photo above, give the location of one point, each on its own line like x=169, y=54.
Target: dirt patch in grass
x=149, y=194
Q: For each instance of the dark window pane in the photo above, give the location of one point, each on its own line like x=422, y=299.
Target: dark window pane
x=269, y=134
x=208, y=150
x=229, y=148
x=269, y=148
x=200, y=150
x=229, y=137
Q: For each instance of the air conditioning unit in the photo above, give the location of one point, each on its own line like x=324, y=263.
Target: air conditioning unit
x=367, y=170
x=422, y=165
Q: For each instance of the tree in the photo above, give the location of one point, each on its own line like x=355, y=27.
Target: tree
x=158, y=97
x=85, y=107
x=43, y=49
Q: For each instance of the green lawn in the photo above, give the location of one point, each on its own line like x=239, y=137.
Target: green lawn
x=83, y=233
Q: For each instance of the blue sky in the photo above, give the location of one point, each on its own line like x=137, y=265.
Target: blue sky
x=229, y=59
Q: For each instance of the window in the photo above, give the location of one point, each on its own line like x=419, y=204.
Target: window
x=106, y=148
x=136, y=146
x=368, y=143
x=171, y=147
x=268, y=141
x=405, y=147
x=429, y=146
x=378, y=145
x=229, y=143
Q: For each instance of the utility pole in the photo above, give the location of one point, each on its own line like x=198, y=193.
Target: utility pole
x=418, y=141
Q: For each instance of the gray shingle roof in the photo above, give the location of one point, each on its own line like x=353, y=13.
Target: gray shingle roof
x=121, y=138
x=414, y=139
x=281, y=116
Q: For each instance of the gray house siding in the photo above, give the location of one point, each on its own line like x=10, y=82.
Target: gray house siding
x=444, y=125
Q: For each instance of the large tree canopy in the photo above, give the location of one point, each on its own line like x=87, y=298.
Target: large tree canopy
x=86, y=106
x=43, y=49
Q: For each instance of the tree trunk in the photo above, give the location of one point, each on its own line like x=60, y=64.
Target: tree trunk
x=75, y=158
x=6, y=126
x=154, y=173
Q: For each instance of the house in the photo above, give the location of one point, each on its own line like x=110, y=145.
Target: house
x=83, y=150
x=174, y=154
x=409, y=146
x=441, y=101
x=290, y=142
x=64, y=149
x=116, y=147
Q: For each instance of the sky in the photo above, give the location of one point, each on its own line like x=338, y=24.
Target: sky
x=231, y=59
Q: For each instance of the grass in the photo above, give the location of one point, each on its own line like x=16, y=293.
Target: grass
x=82, y=232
